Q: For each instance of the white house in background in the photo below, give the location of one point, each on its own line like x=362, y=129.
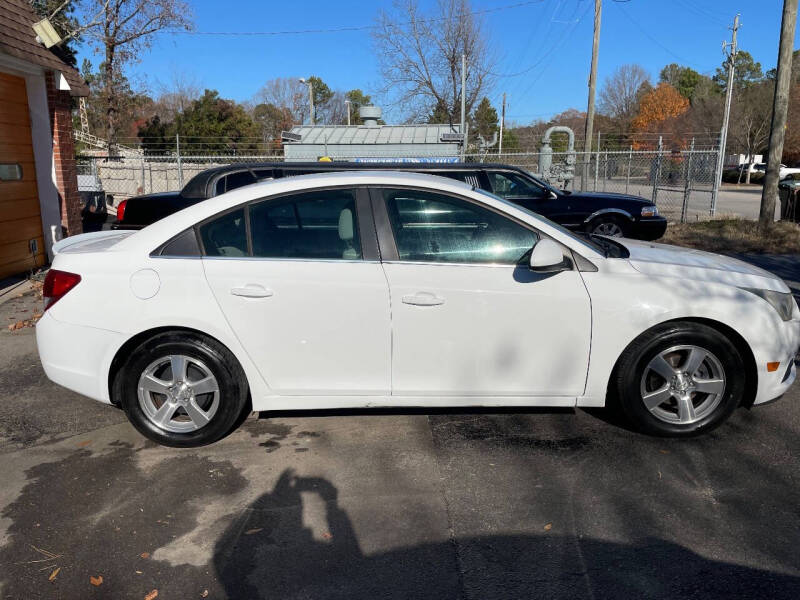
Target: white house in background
x=734, y=161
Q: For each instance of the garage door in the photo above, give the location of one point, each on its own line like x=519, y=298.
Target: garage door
x=21, y=240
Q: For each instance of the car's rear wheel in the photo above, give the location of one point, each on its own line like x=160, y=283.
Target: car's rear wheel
x=182, y=389
x=608, y=225
x=680, y=379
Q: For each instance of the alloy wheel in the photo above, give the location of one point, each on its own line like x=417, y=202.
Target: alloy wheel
x=608, y=228
x=682, y=384
x=178, y=393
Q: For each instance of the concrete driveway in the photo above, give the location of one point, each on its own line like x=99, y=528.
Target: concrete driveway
x=474, y=504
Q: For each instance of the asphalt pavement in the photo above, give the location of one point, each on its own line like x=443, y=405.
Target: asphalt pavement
x=388, y=504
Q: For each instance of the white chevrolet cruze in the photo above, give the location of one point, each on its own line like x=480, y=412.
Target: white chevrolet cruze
x=394, y=289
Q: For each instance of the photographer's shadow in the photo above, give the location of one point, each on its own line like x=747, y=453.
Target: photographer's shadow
x=268, y=552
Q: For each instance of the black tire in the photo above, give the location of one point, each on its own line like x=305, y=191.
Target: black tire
x=233, y=399
x=598, y=224
x=628, y=380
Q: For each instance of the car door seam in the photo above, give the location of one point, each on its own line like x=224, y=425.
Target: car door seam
x=391, y=331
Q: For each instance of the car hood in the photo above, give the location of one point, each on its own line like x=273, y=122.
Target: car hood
x=601, y=197
x=685, y=263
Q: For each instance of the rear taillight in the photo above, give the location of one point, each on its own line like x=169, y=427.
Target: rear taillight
x=121, y=210
x=57, y=284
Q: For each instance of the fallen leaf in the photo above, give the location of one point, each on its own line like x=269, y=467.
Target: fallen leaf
x=145, y=555
x=139, y=572
x=54, y=574
x=326, y=536
x=548, y=527
x=96, y=581
x=151, y=595
x=83, y=444
x=204, y=594
x=252, y=531
x=664, y=451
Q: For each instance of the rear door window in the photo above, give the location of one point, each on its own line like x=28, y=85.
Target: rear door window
x=313, y=225
x=226, y=235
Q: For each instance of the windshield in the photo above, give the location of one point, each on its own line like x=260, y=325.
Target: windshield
x=540, y=182
x=592, y=244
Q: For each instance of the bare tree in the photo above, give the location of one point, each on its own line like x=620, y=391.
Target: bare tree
x=750, y=120
x=176, y=95
x=123, y=29
x=621, y=92
x=286, y=93
x=420, y=57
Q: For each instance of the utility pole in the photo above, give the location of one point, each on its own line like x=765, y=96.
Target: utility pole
x=310, y=98
x=463, y=99
x=347, y=106
x=780, y=107
x=598, y=9
x=502, y=124
x=723, y=134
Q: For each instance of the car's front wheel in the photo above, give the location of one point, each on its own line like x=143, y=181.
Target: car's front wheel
x=608, y=225
x=181, y=389
x=680, y=379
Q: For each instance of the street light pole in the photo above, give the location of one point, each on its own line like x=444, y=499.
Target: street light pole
x=347, y=106
x=310, y=99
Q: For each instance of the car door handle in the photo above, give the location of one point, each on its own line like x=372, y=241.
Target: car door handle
x=423, y=299
x=251, y=290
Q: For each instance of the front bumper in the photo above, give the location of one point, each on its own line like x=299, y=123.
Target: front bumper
x=77, y=357
x=648, y=228
x=774, y=384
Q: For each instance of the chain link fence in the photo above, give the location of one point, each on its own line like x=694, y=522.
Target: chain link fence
x=680, y=183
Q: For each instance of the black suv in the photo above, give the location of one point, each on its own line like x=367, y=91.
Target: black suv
x=601, y=213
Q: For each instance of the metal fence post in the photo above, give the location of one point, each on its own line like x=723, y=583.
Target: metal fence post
x=715, y=186
x=605, y=169
x=628, y=176
x=597, y=162
x=144, y=182
x=180, y=165
x=657, y=179
x=687, y=184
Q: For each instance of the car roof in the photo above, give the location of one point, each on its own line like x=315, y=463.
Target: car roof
x=197, y=186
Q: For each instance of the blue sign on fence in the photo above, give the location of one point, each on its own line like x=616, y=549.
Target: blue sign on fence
x=406, y=159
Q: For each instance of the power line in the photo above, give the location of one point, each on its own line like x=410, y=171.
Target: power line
x=653, y=39
x=355, y=27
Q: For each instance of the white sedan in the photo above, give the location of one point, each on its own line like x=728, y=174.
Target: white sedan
x=355, y=290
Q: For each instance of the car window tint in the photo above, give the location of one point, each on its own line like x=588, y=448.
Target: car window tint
x=437, y=228
x=511, y=185
x=184, y=244
x=315, y=225
x=237, y=180
x=225, y=235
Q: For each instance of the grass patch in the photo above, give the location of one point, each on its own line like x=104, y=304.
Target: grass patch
x=735, y=235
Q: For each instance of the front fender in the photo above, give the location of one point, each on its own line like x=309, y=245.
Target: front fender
x=626, y=304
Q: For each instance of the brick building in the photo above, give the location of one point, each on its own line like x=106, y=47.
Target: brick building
x=38, y=179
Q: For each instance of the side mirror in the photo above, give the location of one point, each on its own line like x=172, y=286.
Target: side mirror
x=547, y=257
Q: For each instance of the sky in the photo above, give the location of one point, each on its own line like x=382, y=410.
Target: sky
x=543, y=48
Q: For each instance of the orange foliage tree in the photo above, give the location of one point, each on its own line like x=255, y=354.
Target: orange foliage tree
x=658, y=108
